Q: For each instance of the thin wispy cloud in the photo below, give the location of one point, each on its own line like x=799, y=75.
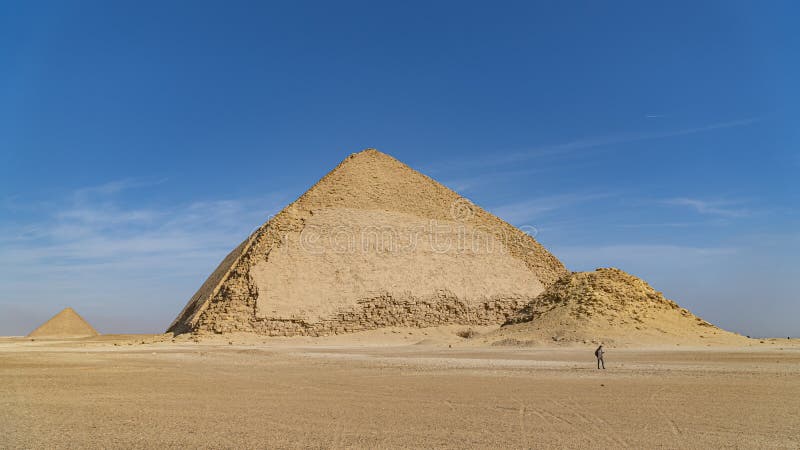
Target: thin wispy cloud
x=468, y=183
x=659, y=225
x=579, y=145
x=587, y=257
x=95, y=229
x=114, y=187
x=530, y=211
x=729, y=209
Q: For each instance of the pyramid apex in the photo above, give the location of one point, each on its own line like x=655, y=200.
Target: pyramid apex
x=368, y=152
x=368, y=155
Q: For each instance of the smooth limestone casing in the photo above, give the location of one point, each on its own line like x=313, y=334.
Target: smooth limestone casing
x=345, y=255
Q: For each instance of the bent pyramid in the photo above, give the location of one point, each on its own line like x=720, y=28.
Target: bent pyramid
x=611, y=306
x=67, y=323
x=374, y=243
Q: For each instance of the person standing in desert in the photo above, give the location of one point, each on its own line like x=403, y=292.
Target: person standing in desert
x=599, y=354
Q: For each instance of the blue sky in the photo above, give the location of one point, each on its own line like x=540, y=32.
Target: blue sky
x=141, y=141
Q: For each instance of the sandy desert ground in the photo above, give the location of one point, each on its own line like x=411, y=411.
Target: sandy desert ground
x=393, y=388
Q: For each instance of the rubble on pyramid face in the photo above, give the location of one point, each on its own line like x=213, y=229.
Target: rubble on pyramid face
x=374, y=243
x=609, y=305
x=66, y=323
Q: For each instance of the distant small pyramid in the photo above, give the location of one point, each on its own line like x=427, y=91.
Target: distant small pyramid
x=610, y=306
x=374, y=243
x=67, y=323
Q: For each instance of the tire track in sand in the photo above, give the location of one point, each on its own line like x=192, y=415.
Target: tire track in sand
x=656, y=402
x=599, y=426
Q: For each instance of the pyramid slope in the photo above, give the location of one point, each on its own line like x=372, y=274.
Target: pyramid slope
x=67, y=323
x=295, y=274
x=610, y=306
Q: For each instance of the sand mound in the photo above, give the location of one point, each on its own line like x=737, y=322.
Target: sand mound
x=67, y=323
x=610, y=306
x=372, y=244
